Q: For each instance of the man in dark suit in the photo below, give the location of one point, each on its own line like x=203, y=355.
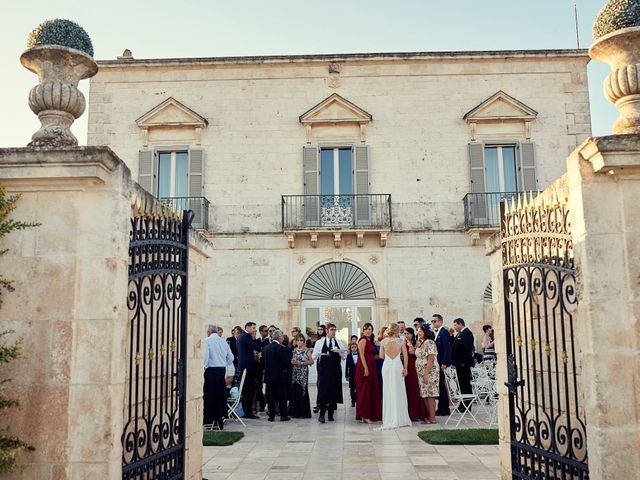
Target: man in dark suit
x=443, y=343
x=350, y=371
x=264, y=340
x=276, y=375
x=462, y=353
x=247, y=347
x=232, y=342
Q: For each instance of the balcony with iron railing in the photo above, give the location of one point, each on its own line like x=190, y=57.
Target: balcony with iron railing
x=199, y=206
x=482, y=210
x=335, y=215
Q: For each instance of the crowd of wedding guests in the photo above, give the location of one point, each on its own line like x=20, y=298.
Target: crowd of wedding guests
x=276, y=367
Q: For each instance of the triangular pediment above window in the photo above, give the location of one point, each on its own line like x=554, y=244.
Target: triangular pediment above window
x=171, y=112
x=335, y=109
x=500, y=107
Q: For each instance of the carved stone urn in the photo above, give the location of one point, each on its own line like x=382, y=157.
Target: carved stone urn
x=56, y=99
x=617, y=34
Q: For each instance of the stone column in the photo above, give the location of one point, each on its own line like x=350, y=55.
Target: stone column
x=604, y=183
x=69, y=306
x=494, y=252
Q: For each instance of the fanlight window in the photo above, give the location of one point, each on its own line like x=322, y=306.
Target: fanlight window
x=338, y=281
x=488, y=293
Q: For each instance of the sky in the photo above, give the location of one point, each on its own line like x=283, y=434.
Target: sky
x=211, y=28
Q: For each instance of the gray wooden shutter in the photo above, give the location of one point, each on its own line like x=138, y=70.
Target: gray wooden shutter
x=147, y=170
x=527, y=168
x=361, y=171
x=478, y=202
x=196, y=172
x=311, y=175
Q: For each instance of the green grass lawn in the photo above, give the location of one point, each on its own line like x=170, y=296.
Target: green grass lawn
x=220, y=439
x=472, y=436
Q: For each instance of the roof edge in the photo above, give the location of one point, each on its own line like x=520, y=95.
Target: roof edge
x=559, y=53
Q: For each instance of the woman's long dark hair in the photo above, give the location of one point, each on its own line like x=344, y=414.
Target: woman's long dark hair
x=413, y=335
x=364, y=327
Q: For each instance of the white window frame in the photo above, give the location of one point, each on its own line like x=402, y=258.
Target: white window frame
x=172, y=180
x=336, y=166
x=501, y=182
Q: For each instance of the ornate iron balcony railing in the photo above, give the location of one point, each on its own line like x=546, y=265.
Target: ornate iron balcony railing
x=309, y=212
x=199, y=206
x=482, y=210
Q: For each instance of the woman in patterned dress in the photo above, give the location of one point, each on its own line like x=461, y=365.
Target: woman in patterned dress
x=428, y=371
x=299, y=405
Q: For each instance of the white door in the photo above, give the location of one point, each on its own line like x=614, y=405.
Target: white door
x=347, y=315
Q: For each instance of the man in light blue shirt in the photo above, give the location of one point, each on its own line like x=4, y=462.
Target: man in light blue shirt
x=217, y=356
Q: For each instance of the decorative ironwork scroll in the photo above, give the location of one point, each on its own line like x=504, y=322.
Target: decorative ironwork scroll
x=336, y=210
x=548, y=430
x=155, y=401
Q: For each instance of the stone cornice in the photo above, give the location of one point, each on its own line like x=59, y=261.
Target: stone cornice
x=613, y=153
x=67, y=165
x=353, y=57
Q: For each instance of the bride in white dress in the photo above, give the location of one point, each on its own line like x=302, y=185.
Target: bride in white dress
x=395, y=412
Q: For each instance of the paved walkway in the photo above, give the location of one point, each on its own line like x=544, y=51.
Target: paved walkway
x=344, y=449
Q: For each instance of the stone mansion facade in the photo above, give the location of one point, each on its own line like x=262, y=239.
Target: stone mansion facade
x=350, y=187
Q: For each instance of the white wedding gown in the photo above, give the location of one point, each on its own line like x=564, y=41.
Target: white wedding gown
x=395, y=412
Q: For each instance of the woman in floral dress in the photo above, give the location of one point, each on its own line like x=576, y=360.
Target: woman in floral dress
x=428, y=371
x=299, y=406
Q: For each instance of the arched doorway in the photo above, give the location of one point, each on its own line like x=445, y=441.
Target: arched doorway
x=340, y=293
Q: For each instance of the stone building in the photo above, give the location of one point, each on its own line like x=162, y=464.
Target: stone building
x=349, y=187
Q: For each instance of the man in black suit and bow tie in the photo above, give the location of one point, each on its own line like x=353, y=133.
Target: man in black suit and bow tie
x=247, y=347
x=331, y=352
x=462, y=352
x=276, y=375
x=443, y=344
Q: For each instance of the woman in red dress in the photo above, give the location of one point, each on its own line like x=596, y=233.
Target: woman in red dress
x=368, y=400
x=417, y=410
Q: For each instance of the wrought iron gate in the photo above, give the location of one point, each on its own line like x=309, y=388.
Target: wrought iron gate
x=155, y=402
x=548, y=431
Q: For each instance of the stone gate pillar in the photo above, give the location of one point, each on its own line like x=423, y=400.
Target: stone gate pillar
x=69, y=306
x=604, y=184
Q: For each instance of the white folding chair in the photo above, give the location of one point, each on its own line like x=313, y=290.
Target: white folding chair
x=458, y=399
x=233, y=403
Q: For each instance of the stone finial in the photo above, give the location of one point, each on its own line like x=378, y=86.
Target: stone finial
x=60, y=53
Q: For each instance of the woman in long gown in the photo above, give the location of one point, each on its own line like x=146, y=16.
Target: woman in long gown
x=428, y=371
x=417, y=409
x=299, y=405
x=368, y=401
x=379, y=361
x=393, y=351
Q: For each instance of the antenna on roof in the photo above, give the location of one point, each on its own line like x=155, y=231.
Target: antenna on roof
x=575, y=11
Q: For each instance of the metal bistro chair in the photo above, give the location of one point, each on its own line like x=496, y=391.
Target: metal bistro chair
x=233, y=403
x=458, y=399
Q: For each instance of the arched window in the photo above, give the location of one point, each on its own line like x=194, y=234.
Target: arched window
x=338, y=281
x=488, y=293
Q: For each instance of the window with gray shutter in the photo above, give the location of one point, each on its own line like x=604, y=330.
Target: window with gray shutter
x=476, y=175
x=196, y=176
x=361, y=175
x=147, y=170
x=311, y=174
x=527, y=168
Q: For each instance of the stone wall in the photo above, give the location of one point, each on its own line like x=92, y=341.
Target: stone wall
x=417, y=139
x=70, y=308
x=418, y=153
